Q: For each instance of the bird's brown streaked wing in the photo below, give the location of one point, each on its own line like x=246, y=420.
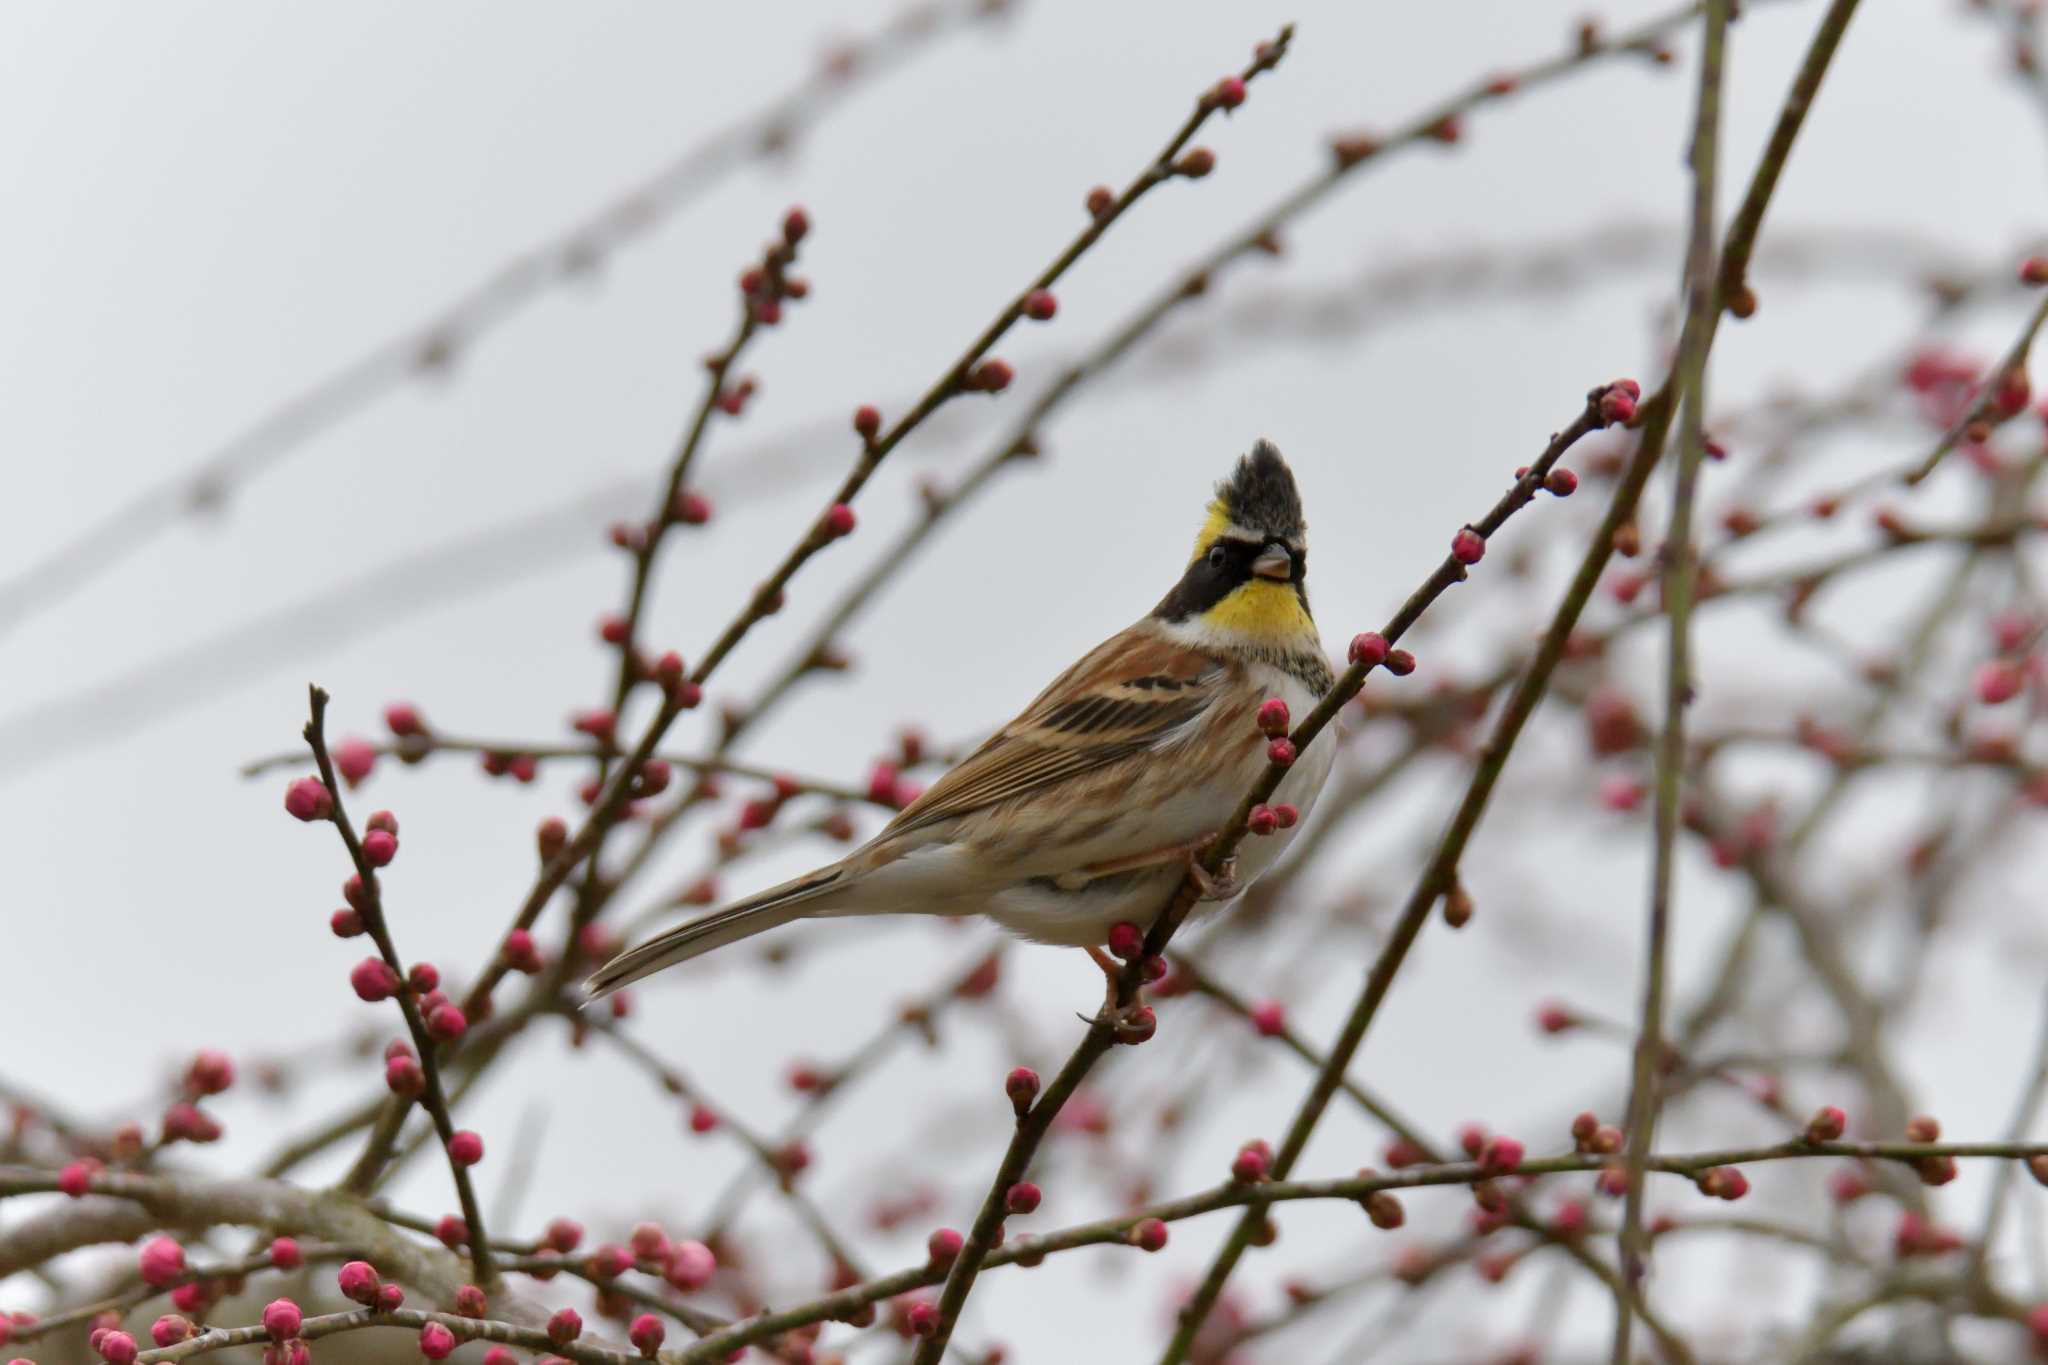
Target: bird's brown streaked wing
x=1124, y=697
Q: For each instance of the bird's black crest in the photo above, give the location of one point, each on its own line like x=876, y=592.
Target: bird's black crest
x=1260, y=494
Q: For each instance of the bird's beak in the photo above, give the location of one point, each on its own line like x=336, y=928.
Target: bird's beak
x=1274, y=562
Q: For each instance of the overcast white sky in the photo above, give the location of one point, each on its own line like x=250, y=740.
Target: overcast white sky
x=212, y=205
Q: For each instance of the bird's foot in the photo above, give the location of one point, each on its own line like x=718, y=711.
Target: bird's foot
x=1220, y=885
x=1132, y=1023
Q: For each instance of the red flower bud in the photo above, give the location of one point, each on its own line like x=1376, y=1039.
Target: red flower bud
x=646, y=1334
x=373, y=979
x=307, y=798
x=358, y=1281
x=1468, y=546
x=1272, y=717
x=1150, y=1235
x=1369, y=649
x=1040, y=305
x=162, y=1260
x=380, y=846
x=943, y=1246
x=1827, y=1124
x=1021, y=1085
x=565, y=1326
x=1126, y=940
x=465, y=1148
x=867, y=420
x=436, y=1342
x=1269, y=1017
x=281, y=1319
x=1501, y=1156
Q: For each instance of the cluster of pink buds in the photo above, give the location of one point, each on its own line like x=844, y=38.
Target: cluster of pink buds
x=767, y=286
x=1723, y=1182
x=1591, y=1135
x=1616, y=404
x=185, y=1122
x=521, y=768
x=1265, y=820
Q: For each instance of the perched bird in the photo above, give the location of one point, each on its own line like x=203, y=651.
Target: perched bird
x=1087, y=809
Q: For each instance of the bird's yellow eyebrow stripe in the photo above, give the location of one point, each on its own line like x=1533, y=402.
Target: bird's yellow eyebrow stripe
x=1213, y=526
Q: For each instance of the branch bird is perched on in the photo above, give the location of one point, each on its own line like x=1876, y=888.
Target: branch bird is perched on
x=1087, y=809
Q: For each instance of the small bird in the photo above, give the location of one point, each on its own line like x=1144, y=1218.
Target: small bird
x=1088, y=808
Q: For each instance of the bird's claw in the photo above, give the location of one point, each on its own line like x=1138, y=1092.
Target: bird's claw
x=1219, y=885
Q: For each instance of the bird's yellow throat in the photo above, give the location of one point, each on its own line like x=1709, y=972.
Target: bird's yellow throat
x=1264, y=611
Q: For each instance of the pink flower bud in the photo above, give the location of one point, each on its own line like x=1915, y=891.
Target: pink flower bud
x=1126, y=940
x=373, y=979
x=2034, y=270
x=285, y=1254
x=404, y=1077
x=1501, y=1156
x=76, y=1177
x=1827, y=1124
x=1923, y=1128
x=402, y=718
x=991, y=376
x=168, y=1330
x=1250, y=1165
x=281, y=1319
x=1272, y=718
x=1617, y=403
x=307, y=798
x=1262, y=821
x=565, y=1326
x=117, y=1348
x=1560, y=483
x=358, y=1281
x=436, y=1342
x=1553, y=1017
x=452, y=1231
x=162, y=1261
x=1468, y=546
x=1040, y=305
x=447, y=1022
x=839, y=521
x=689, y=1266
x=1195, y=163
x=1269, y=1018
x=646, y=1334
x=1021, y=1085
x=1022, y=1197
x=354, y=757
x=563, y=1235
x=470, y=1301
x=943, y=1246
x=1281, y=751
x=1999, y=681
x=380, y=846
x=1369, y=649
x=1149, y=1235
x=465, y=1148
x=498, y=1355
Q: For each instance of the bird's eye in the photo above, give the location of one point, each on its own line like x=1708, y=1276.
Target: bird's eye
x=1216, y=556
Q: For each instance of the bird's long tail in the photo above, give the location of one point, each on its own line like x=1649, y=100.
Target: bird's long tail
x=743, y=919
